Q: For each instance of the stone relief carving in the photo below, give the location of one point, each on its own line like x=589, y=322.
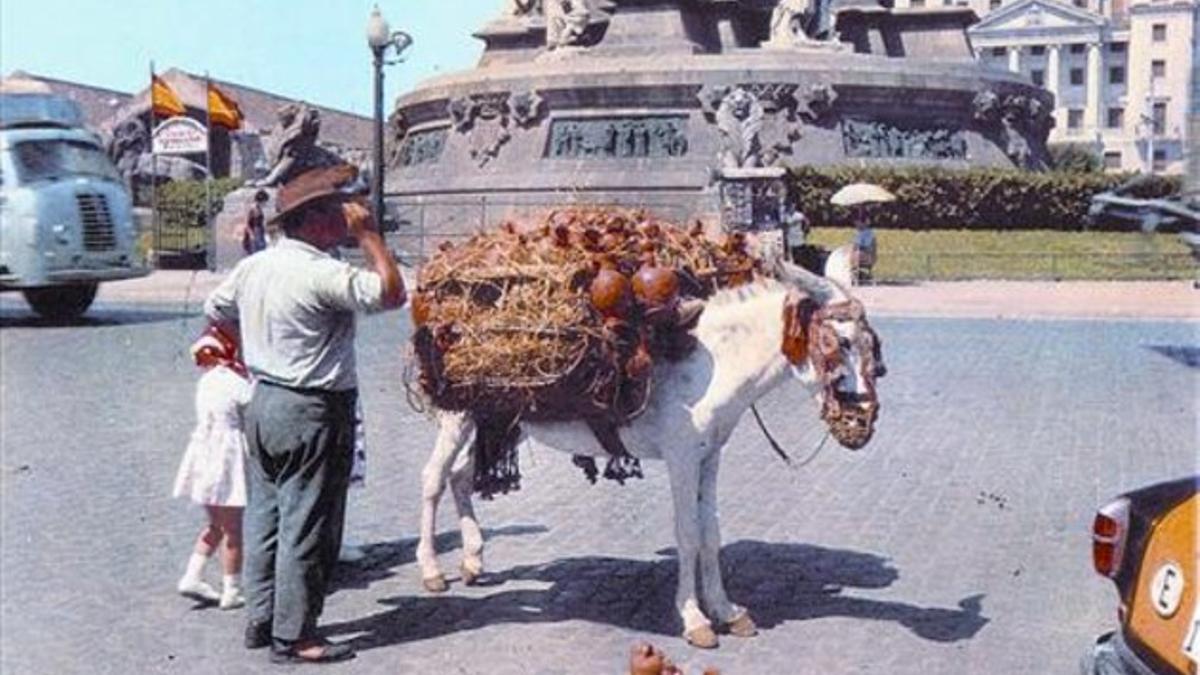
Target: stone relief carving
x=526, y=108
x=566, y=22
x=486, y=120
x=1011, y=121
x=293, y=145
x=420, y=147
x=394, y=136
x=618, y=137
x=759, y=123
x=884, y=140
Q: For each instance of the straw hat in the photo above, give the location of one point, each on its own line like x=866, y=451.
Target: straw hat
x=339, y=181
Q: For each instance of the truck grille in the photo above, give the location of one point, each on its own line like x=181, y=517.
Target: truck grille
x=97, y=222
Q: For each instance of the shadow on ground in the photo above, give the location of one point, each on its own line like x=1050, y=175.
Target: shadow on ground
x=777, y=582
x=1187, y=355
x=19, y=317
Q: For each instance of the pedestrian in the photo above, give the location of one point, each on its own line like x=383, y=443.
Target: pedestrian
x=295, y=305
x=254, y=232
x=864, y=252
x=212, y=471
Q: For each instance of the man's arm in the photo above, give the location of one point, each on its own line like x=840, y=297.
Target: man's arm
x=361, y=226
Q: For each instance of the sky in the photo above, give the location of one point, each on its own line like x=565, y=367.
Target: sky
x=312, y=50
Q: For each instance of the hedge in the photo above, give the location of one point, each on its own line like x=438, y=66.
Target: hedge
x=934, y=198
x=181, y=203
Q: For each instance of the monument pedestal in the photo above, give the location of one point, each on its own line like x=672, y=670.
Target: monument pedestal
x=752, y=199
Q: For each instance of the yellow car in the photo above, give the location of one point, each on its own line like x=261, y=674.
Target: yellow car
x=1146, y=542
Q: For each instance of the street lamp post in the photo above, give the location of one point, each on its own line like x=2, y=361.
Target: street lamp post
x=380, y=38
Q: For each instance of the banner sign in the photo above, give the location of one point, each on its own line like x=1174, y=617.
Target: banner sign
x=180, y=136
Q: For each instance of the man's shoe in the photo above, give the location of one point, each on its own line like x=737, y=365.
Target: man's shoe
x=258, y=634
x=311, y=651
x=198, y=591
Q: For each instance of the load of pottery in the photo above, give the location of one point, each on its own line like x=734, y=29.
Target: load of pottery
x=563, y=316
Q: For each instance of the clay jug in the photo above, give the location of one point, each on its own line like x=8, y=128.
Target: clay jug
x=420, y=309
x=610, y=292
x=655, y=286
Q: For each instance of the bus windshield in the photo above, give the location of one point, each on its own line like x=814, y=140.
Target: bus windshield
x=53, y=159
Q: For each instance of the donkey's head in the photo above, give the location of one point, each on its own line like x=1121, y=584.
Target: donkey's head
x=832, y=348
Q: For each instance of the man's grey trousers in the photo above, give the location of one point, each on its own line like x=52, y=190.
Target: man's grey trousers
x=301, y=444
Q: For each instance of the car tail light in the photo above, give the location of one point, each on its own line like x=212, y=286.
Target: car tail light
x=1109, y=532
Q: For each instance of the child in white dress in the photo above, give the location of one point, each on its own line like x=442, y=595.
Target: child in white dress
x=212, y=471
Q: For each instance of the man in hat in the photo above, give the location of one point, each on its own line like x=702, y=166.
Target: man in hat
x=295, y=305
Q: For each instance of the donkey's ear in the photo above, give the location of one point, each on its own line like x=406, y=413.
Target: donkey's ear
x=838, y=266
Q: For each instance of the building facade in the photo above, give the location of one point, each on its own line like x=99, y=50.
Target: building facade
x=1122, y=71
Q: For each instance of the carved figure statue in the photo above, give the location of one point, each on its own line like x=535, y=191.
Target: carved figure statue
x=524, y=7
x=740, y=119
x=130, y=140
x=566, y=21
x=793, y=22
x=294, y=145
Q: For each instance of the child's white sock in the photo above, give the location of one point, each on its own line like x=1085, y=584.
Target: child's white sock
x=231, y=596
x=195, y=569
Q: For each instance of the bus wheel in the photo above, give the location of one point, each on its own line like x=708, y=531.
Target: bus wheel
x=61, y=302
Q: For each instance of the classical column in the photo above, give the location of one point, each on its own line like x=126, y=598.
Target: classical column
x=1095, y=85
x=1053, y=76
x=1014, y=58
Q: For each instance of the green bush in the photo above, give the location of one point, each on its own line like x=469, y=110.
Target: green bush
x=1074, y=158
x=181, y=203
x=929, y=198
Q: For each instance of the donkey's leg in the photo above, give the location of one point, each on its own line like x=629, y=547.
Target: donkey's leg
x=462, y=484
x=712, y=586
x=685, y=485
x=454, y=431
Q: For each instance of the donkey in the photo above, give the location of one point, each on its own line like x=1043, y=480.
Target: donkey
x=749, y=340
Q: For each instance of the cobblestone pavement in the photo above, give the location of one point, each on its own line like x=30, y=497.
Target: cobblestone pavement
x=957, y=542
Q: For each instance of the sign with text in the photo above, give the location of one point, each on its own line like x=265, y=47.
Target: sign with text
x=180, y=136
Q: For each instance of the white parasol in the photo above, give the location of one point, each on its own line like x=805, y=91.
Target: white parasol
x=861, y=193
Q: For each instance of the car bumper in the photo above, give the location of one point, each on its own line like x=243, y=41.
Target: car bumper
x=1111, y=655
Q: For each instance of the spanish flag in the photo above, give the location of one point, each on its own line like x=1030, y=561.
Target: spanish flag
x=164, y=100
x=223, y=111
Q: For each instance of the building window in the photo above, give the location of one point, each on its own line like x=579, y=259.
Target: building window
x=1078, y=49
x=993, y=4
x=1116, y=118
x=1081, y=3
x=1159, y=32
x=1038, y=76
x=916, y=3
x=947, y=3
x=1117, y=47
x=1075, y=118
x=1159, y=118
x=1158, y=68
x=1038, y=50
x=1160, y=160
x=1116, y=75
x=1077, y=76
x=1112, y=160
x=999, y=51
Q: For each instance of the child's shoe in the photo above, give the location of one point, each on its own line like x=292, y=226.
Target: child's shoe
x=232, y=598
x=197, y=590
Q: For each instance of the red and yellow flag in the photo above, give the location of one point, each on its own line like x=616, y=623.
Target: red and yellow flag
x=223, y=111
x=164, y=100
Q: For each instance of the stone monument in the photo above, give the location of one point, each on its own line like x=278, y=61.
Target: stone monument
x=695, y=108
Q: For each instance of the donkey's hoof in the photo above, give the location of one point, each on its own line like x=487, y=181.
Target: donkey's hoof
x=435, y=584
x=469, y=574
x=703, y=637
x=742, y=625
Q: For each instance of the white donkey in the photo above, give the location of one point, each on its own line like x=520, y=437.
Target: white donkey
x=750, y=340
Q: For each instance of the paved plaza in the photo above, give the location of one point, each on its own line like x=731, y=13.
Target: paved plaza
x=956, y=542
